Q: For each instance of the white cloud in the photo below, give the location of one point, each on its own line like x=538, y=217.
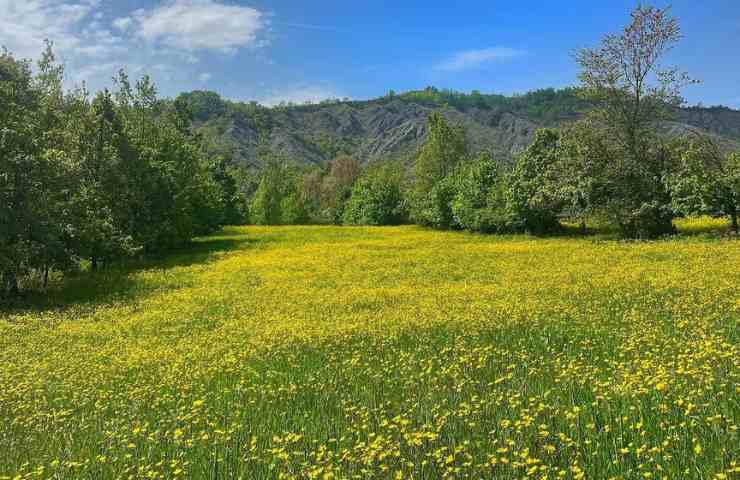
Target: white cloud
x=123, y=23
x=204, y=77
x=167, y=38
x=300, y=95
x=24, y=24
x=200, y=25
x=475, y=58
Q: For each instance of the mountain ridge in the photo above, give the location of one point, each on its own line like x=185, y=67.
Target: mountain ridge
x=394, y=126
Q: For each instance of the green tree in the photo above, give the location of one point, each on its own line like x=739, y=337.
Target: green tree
x=227, y=178
x=278, y=199
x=434, y=208
x=443, y=150
x=100, y=179
x=480, y=203
x=437, y=159
x=582, y=176
x=706, y=181
x=377, y=198
x=97, y=231
x=632, y=93
x=531, y=195
x=170, y=193
x=54, y=120
x=336, y=187
x=28, y=200
x=293, y=209
x=730, y=189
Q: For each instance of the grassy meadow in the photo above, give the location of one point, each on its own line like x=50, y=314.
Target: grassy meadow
x=391, y=352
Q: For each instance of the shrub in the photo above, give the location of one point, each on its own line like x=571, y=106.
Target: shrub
x=377, y=199
x=434, y=208
x=480, y=202
x=532, y=194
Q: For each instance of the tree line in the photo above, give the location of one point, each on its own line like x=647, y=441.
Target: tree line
x=92, y=179
x=614, y=164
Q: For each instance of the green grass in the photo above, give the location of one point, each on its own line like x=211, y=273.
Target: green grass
x=320, y=352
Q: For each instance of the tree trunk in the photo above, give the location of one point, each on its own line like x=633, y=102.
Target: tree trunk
x=583, y=226
x=94, y=264
x=46, y=277
x=11, y=283
x=733, y=217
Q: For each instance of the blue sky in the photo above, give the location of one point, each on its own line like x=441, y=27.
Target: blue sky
x=274, y=50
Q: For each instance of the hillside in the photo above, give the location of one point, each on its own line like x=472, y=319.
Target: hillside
x=395, y=125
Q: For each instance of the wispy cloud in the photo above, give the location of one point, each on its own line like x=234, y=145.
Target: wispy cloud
x=200, y=25
x=204, y=77
x=470, y=59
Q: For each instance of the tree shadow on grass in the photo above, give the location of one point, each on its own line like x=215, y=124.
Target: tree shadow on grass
x=704, y=227
x=86, y=291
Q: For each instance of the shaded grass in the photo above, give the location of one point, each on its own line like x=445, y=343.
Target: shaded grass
x=120, y=282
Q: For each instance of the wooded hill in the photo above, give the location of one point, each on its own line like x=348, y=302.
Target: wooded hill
x=394, y=126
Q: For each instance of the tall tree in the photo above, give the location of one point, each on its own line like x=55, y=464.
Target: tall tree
x=438, y=158
x=377, y=198
x=582, y=176
x=98, y=230
x=277, y=200
x=27, y=174
x=336, y=187
x=444, y=148
x=54, y=122
x=632, y=93
x=480, y=202
x=532, y=196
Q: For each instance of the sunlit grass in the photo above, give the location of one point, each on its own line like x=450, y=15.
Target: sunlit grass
x=694, y=225
x=320, y=352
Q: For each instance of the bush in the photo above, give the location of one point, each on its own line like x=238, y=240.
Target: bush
x=532, y=194
x=481, y=201
x=293, y=211
x=649, y=220
x=434, y=208
x=278, y=199
x=377, y=199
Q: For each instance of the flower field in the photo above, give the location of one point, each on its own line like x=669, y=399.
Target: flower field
x=352, y=352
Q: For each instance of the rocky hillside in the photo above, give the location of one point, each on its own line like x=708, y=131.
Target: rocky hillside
x=395, y=126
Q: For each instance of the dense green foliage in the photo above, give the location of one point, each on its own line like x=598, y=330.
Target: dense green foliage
x=434, y=172
x=480, y=202
x=377, y=198
x=705, y=182
x=97, y=178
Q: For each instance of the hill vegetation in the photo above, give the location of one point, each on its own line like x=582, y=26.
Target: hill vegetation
x=395, y=126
